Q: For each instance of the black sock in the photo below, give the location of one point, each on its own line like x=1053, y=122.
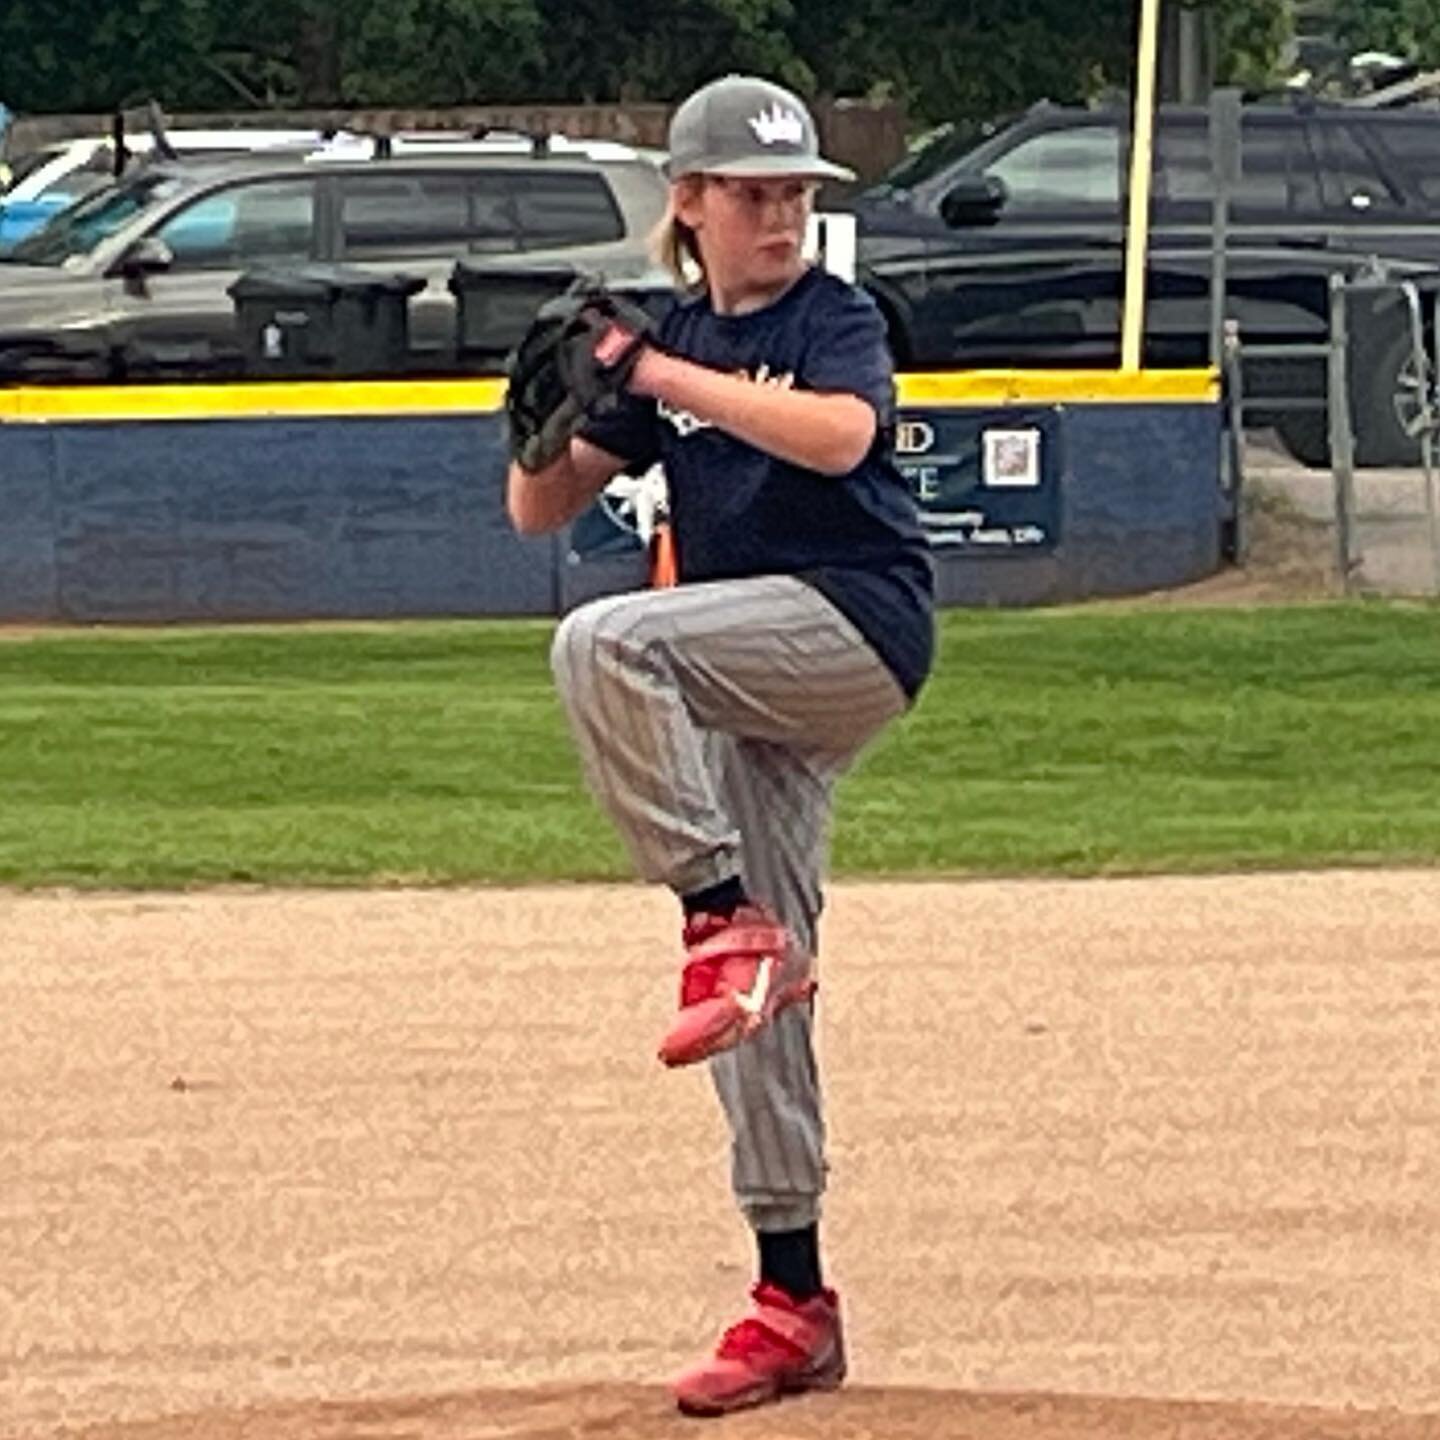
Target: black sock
x=723, y=899
x=791, y=1260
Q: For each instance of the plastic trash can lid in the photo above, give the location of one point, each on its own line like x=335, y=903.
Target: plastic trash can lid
x=320, y=282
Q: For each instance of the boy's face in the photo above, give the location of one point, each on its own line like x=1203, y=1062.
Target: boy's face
x=751, y=232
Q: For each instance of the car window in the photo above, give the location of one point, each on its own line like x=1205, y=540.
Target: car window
x=393, y=216
x=1080, y=165
x=565, y=209
x=1414, y=145
x=1278, y=179
x=1352, y=177
x=27, y=165
x=1184, y=169
x=270, y=222
x=72, y=187
x=82, y=227
x=937, y=150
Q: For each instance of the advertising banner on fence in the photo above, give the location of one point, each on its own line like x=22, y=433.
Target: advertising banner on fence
x=985, y=480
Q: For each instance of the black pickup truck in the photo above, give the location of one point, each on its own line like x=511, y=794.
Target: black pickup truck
x=1007, y=249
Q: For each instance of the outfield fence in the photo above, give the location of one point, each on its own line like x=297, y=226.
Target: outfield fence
x=338, y=499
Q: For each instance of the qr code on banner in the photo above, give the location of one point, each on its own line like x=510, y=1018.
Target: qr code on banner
x=1012, y=457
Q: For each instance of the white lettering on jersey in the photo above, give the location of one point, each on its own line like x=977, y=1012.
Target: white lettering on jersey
x=686, y=423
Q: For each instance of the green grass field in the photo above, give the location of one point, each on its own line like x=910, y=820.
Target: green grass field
x=1092, y=740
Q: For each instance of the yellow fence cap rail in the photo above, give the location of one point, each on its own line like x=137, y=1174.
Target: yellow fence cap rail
x=72, y=404
x=1059, y=387
x=55, y=404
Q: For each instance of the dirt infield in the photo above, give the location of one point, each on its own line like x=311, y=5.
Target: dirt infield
x=1113, y=1158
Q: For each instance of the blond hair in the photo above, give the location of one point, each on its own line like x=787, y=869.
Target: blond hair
x=676, y=246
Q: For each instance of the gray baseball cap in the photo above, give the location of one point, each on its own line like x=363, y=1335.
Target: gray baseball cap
x=742, y=125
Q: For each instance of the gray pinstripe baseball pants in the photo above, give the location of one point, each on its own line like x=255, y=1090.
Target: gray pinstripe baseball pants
x=713, y=721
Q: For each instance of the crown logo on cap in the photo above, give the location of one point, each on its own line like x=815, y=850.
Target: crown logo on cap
x=778, y=126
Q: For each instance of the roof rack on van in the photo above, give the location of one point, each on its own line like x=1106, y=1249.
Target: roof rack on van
x=365, y=142
x=540, y=143
x=154, y=123
x=540, y=140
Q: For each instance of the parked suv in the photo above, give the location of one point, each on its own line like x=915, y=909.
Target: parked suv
x=134, y=279
x=45, y=181
x=1007, y=249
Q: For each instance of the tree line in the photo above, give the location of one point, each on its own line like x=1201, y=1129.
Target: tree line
x=945, y=59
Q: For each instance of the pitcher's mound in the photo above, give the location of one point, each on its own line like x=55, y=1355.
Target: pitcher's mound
x=632, y=1412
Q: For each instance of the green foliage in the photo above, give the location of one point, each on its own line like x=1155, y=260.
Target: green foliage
x=382, y=52
x=947, y=59
x=951, y=61
x=1252, y=38
x=1406, y=27
x=604, y=50
x=57, y=55
x=441, y=52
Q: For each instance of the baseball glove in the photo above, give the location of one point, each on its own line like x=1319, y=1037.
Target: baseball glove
x=571, y=366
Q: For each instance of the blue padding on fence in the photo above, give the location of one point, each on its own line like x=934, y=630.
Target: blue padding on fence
x=350, y=516
x=1139, y=508
x=272, y=519
x=1143, y=496
x=28, y=577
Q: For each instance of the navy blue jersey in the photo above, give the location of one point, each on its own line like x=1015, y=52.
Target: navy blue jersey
x=737, y=511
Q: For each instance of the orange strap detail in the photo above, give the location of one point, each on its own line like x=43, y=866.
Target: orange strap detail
x=664, y=570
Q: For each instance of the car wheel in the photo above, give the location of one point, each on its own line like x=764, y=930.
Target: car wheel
x=1389, y=402
x=1306, y=435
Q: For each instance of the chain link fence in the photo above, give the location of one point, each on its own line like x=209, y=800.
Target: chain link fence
x=1385, y=522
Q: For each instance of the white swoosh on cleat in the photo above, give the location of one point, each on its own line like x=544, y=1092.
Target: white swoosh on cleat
x=753, y=1000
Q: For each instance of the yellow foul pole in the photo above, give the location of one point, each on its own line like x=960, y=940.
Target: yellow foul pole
x=1142, y=148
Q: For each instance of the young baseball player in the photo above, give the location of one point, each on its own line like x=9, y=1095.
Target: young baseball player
x=714, y=718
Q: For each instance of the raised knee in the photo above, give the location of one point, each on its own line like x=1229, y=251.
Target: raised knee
x=574, y=638
x=606, y=632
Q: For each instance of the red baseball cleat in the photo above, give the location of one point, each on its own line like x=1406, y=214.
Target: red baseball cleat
x=739, y=974
x=782, y=1347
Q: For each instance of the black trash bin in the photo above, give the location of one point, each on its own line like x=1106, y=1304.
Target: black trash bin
x=56, y=358
x=324, y=320
x=495, y=305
